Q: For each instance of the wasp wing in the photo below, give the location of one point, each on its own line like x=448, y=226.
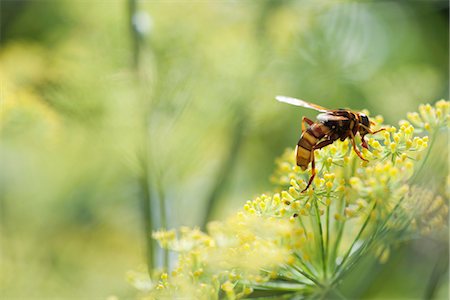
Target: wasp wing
x=330, y=117
x=298, y=102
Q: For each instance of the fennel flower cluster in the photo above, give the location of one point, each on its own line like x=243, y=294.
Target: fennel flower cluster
x=292, y=244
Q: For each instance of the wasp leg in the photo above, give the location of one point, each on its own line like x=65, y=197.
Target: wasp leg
x=373, y=132
x=307, y=121
x=313, y=163
x=363, y=141
x=354, y=146
x=370, y=131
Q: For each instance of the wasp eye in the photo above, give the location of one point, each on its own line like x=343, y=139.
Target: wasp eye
x=365, y=120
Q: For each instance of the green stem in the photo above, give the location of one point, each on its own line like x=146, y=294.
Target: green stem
x=338, y=294
x=327, y=241
x=278, y=286
x=135, y=43
x=340, y=230
x=322, y=249
x=439, y=270
x=360, y=252
x=296, y=269
x=305, y=265
x=347, y=254
x=424, y=161
x=144, y=178
x=163, y=225
x=146, y=212
x=227, y=166
x=303, y=226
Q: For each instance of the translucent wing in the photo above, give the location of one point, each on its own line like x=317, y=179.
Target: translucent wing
x=330, y=118
x=298, y=102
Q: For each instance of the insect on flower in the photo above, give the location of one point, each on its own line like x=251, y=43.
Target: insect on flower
x=331, y=125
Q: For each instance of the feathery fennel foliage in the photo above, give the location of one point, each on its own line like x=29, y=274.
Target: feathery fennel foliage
x=297, y=245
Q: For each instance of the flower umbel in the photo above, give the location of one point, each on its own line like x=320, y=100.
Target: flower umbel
x=292, y=243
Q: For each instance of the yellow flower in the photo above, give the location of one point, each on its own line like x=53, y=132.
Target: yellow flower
x=309, y=240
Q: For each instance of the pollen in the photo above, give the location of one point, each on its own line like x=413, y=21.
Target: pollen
x=294, y=183
x=387, y=137
x=276, y=199
x=285, y=167
x=262, y=205
x=409, y=130
x=329, y=176
x=227, y=286
x=379, y=119
x=409, y=165
x=349, y=212
x=295, y=205
x=338, y=217
x=376, y=144
x=286, y=196
x=393, y=172
x=293, y=192
x=408, y=144
x=354, y=181
x=198, y=272
x=393, y=146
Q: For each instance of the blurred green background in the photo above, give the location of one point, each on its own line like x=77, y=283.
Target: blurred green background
x=119, y=117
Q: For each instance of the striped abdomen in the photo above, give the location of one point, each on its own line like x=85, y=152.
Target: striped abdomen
x=309, y=138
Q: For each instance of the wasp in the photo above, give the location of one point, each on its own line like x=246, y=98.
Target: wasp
x=331, y=125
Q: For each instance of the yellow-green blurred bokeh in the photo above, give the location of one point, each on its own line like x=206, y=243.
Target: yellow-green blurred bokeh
x=78, y=115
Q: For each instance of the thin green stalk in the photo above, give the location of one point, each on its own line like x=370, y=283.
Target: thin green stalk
x=339, y=228
x=144, y=177
x=303, y=226
x=424, y=161
x=279, y=286
x=163, y=224
x=366, y=222
x=327, y=241
x=227, y=167
x=135, y=43
x=305, y=265
x=285, y=277
x=322, y=250
x=439, y=270
x=339, y=294
x=296, y=269
x=414, y=178
x=146, y=212
x=360, y=252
